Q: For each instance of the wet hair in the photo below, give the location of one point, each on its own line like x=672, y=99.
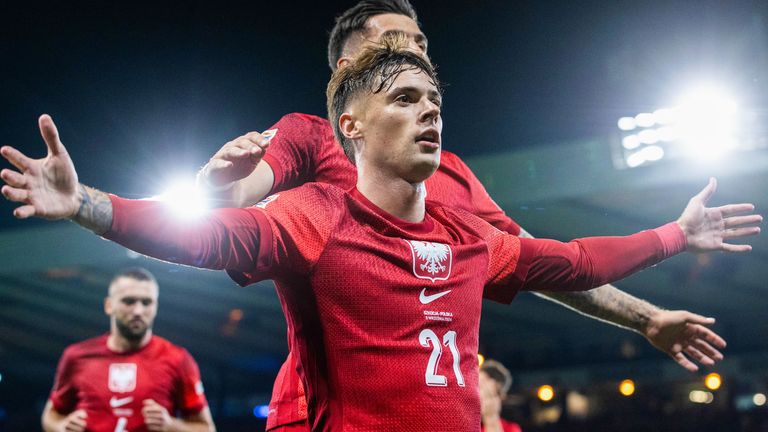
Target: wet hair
x=354, y=19
x=374, y=70
x=497, y=372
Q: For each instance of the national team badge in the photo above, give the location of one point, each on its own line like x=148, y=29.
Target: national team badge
x=122, y=377
x=431, y=260
x=263, y=203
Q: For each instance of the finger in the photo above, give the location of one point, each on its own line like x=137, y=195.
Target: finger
x=217, y=165
x=692, y=318
x=50, y=134
x=710, y=336
x=17, y=158
x=707, y=192
x=24, y=212
x=15, y=194
x=708, y=350
x=683, y=361
x=730, y=209
x=698, y=355
x=727, y=247
x=258, y=139
x=13, y=178
x=240, y=151
x=742, y=220
x=740, y=232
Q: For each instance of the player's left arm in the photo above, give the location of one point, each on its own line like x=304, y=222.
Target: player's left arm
x=675, y=333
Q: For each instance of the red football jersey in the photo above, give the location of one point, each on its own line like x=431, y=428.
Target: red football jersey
x=304, y=150
x=111, y=386
x=384, y=314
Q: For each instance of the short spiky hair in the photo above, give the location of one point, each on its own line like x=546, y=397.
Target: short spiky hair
x=353, y=20
x=374, y=70
x=137, y=273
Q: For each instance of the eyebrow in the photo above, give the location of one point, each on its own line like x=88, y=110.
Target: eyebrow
x=412, y=89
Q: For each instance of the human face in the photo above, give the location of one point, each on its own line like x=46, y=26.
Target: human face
x=400, y=128
x=376, y=26
x=132, y=305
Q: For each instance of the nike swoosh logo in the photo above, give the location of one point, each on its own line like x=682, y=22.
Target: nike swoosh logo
x=424, y=298
x=118, y=402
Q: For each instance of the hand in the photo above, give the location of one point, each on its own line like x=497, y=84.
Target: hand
x=235, y=160
x=678, y=333
x=707, y=228
x=156, y=417
x=74, y=422
x=48, y=187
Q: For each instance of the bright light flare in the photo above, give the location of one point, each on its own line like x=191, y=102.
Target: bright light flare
x=707, y=120
x=759, y=399
x=627, y=387
x=701, y=397
x=713, y=381
x=480, y=359
x=185, y=200
x=546, y=393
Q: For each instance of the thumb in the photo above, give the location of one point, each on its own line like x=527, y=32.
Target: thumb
x=50, y=134
x=698, y=319
x=81, y=413
x=707, y=192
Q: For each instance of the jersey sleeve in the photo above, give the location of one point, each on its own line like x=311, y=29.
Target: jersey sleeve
x=293, y=152
x=481, y=202
x=189, y=392
x=251, y=244
x=295, y=228
x=582, y=264
x=64, y=394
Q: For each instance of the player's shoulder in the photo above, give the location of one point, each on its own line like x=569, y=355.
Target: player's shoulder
x=451, y=161
x=88, y=347
x=459, y=218
x=168, y=349
x=311, y=120
x=305, y=193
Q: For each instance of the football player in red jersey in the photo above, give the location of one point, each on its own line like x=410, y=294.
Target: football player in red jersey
x=129, y=379
x=304, y=150
x=351, y=265
x=495, y=381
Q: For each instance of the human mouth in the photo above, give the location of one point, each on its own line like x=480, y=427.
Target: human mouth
x=429, y=139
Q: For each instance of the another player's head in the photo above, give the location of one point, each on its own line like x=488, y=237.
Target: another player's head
x=495, y=378
x=366, y=22
x=385, y=109
x=132, y=303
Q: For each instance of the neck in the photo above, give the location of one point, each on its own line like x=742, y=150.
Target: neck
x=118, y=343
x=394, y=195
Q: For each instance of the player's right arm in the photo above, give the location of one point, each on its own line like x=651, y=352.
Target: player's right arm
x=54, y=421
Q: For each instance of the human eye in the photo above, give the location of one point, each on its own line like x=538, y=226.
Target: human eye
x=402, y=98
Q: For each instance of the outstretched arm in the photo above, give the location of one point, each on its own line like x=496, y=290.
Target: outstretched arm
x=48, y=188
x=682, y=335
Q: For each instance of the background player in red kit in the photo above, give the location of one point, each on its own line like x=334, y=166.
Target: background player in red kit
x=495, y=381
x=374, y=281
x=304, y=150
x=129, y=379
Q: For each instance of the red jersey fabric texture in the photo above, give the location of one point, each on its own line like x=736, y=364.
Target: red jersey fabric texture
x=304, y=150
x=112, y=386
x=384, y=314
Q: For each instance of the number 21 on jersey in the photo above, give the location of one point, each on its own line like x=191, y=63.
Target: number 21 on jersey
x=427, y=337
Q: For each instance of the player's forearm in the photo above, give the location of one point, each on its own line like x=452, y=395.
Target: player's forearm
x=95, y=211
x=222, y=239
x=51, y=420
x=609, y=304
x=594, y=261
x=240, y=193
x=492, y=424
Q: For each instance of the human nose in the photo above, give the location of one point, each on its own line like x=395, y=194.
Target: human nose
x=430, y=113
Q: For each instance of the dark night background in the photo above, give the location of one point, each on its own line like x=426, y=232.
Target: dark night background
x=143, y=92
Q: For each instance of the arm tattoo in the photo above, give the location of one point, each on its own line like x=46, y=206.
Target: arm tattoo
x=95, y=212
x=606, y=303
x=609, y=304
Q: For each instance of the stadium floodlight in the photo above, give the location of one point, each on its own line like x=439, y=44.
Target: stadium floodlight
x=759, y=399
x=185, y=200
x=704, y=123
x=701, y=397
